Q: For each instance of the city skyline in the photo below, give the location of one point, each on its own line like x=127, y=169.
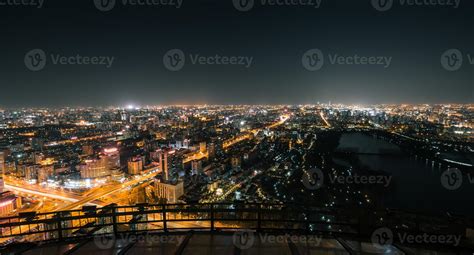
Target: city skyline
x=138, y=106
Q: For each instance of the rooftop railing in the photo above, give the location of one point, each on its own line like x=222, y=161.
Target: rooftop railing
x=162, y=218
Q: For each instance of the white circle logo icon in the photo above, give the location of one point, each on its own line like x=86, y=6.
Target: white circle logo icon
x=313, y=179
x=35, y=60
x=451, y=179
x=243, y=239
x=104, y=5
x=382, y=5
x=104, y=242
x=174, y=60
x=243, y=5
x=451, y=60
x=382, y=237
x=313, y=60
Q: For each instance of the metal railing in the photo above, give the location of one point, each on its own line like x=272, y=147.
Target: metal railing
x=115, y=220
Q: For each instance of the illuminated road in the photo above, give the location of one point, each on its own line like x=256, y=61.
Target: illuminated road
x=246, y=136
x=89, y=138
x=196, y=156
x=29, y=191
x=230, y=142
x=324, y=119
x=110, y=189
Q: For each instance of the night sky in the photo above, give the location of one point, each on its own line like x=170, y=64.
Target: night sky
x=276, y=37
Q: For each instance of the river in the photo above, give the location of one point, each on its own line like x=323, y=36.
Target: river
x=416, y=184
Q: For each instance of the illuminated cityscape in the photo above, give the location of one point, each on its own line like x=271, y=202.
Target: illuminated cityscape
x=56, y=159
x=293, y=127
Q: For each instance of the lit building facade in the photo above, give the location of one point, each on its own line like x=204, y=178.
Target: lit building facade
x=45, y=172
x=171, y=192
x=94, y=168
x=135, y=166
x=9, y=203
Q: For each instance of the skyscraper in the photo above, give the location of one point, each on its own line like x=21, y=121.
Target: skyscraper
x=112, y=156
x=166, y=162
x=135, y=166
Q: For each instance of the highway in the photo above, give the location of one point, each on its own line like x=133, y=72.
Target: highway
x=110, y=189
x=321, y=114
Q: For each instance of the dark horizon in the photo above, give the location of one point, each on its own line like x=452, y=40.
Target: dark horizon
x=143, y=106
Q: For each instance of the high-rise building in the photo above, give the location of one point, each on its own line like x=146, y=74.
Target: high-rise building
x=171, y=192
x=3, y=156
x=196, y=166
x=4, y=153
x=135, y=166
x=112, y=156
x=45, y=172
x=31, y=172
x=211, y=150
x=167, y=162
x=94, y=168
